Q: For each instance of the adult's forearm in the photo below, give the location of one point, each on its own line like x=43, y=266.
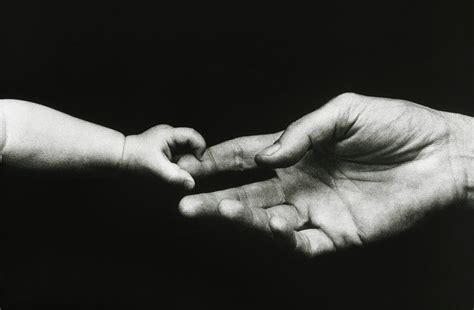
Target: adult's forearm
x=34, y=136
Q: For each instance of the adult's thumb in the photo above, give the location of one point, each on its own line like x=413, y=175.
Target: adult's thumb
x=302, y=136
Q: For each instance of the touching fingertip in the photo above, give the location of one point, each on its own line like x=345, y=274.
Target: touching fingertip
x=199, y=154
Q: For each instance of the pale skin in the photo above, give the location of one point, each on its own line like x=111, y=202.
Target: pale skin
x=33, y=136
x=356, y=170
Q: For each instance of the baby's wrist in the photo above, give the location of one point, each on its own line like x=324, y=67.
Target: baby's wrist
x=128, y=160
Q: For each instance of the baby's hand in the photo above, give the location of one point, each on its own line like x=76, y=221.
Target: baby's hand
x=158, y=148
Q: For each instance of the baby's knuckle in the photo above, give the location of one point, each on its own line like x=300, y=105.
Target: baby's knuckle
x=347, y=97
x=193, y=132
x=164, y=127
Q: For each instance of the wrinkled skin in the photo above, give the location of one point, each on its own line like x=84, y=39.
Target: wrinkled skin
x=355, y=170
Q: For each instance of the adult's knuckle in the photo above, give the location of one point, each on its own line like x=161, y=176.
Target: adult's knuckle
x=294, y=125
x=212, y=159
x=242, y=194
x=237, y=155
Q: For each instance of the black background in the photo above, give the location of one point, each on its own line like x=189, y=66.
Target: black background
x=87, y=242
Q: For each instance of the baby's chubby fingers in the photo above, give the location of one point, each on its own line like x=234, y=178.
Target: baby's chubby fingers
x=189, y=137
x=175, y=138
x=155, y=149
x=185, y=138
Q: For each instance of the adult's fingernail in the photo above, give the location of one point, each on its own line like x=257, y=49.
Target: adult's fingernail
x=272, y=149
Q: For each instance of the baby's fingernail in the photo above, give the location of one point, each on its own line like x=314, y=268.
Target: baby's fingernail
x=271, y=149
x=200, y=155
x=189, y=184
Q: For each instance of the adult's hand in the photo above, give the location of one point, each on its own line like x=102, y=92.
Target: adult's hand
x=357, y=169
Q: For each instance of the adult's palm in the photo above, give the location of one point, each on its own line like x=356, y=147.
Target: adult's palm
x=355, y=170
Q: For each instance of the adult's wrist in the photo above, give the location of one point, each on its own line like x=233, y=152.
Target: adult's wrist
x=469, y=161
x=462, y=153
x=3, y=130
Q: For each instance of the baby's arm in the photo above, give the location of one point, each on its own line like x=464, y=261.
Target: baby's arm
x=36, y=137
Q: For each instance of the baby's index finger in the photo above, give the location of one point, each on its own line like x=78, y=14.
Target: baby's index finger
x=189, y=137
